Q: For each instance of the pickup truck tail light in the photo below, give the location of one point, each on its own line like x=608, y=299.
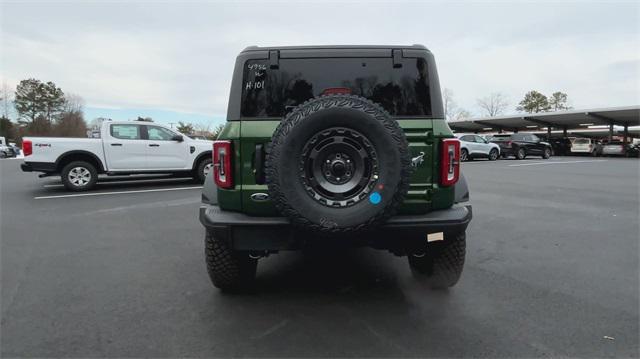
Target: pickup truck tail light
x=27, y=147
x=508, y=144
x=222, y=169
x=449, y=162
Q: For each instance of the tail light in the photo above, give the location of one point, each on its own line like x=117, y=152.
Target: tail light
x=27, y=147
x=508, y=144
x=222, y=170
x=449, y=161
x=336, y=91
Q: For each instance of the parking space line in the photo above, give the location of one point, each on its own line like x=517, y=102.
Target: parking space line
x=117, y=192
x=132, y=181
x=554, y=163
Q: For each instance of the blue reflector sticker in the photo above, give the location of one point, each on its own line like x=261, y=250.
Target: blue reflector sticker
x=375, y=198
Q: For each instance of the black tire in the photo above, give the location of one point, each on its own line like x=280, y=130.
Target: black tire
x=381, y=169
x=79, y=176
x=521, y=154
x=228, y=270
x=546, y=154
x=442, y=263
x=464, y=155
x=493, y=155
x=203, y=165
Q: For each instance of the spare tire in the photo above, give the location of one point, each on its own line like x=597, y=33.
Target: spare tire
x=338, y=164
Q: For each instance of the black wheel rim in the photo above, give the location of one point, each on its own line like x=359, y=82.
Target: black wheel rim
x=339, y=167
x=463, y=156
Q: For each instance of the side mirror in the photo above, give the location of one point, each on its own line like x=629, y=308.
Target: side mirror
x=178, y=138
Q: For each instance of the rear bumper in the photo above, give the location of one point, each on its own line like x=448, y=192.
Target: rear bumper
x=398, y=234
x=45, y=167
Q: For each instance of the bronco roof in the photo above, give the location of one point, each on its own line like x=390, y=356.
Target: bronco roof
x=336, y=47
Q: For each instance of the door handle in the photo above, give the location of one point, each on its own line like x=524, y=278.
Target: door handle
x=154, y=145
x=116, y=144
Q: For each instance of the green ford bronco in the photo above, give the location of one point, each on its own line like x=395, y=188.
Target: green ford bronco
x=339, y=146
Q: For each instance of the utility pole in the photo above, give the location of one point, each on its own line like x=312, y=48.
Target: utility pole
x=171, y=124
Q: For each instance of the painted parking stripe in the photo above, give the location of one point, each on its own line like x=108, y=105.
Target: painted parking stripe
x=117, y=192
x=116, y=182
x=554, y=163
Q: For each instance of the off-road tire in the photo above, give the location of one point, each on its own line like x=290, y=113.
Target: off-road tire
x=283, y=172
x=441, y=265
x=68, y=184
x=464, y=155
x=199, y=174
x=521, y=154
x=493, y=155
x=228, y=270
x=546, y=154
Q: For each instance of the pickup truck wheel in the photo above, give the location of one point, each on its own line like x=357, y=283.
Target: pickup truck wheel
x=228, y=270
x=441, y=264
x=79, y=176
x=338, y=164
x=464, y=155
x=493, y=155
x=521, y=154
x=546, y=154
x=204, y=167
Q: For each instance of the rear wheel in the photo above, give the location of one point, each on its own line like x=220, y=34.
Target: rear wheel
x=546, y=154
x=493, y=154
x=228, y=270
x=441, y=264
x=521, y=154
x=464, y=155
x=79, y=176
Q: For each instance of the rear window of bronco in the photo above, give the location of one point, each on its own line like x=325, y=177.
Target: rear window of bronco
x=402, y=91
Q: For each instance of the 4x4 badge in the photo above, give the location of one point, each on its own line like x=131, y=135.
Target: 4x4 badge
x=418, y=160
x=259, y=197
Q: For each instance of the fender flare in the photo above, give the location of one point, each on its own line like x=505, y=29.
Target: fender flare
x=84, y=153
x=461, y=190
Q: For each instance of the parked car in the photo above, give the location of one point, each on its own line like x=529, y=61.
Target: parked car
x=342, y=157
x=7, y=151
x=474, y=146
x=560, y=146
x=586, y=146
x=614, y=148
x=15, y=148
x=521, y=145
x=633, y=150
x=124, y=148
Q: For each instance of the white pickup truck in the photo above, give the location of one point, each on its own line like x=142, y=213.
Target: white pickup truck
x=124, y=148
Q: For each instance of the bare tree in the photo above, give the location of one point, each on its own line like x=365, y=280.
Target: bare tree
x=451, y=110
x=494, y=104
x=447, y=102
x=6, y=99
x=73, y=103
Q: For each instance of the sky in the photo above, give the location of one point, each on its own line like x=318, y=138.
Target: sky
x=173, y=61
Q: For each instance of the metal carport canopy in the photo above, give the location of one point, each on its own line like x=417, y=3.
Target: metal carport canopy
x=621, y=116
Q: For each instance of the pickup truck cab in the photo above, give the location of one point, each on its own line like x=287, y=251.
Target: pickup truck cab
x=124, y=148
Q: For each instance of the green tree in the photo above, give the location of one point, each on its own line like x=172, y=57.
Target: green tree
x=534, y=102
x=37, y=100
x=7, y=129
x=186, y=128
x=558, y=101
x=144, y=119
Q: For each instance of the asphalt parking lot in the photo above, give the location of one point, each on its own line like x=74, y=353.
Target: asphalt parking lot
x=552, y=270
